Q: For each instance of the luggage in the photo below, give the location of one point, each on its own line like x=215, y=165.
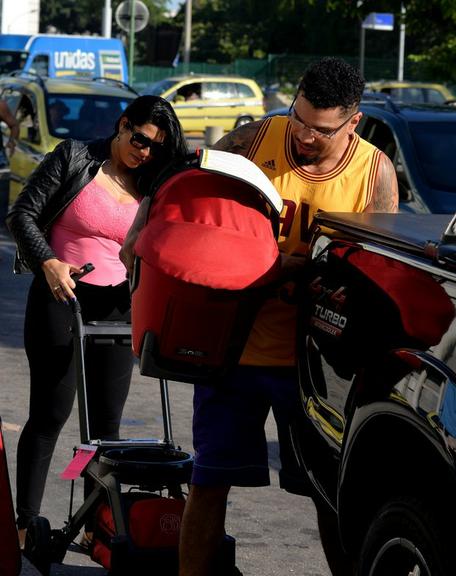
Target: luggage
x=153, y=525
x=204, y=258
x=369, y=304
x=10, y=555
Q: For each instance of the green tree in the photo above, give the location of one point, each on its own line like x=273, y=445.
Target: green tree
x=85, y=17
x=430, y=31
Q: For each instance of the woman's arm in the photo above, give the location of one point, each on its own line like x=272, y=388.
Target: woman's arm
x=28, y=212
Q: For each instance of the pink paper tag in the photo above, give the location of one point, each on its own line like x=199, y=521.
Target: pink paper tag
x=83, y=456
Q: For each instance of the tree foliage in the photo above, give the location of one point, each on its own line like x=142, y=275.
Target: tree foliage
x=430, y=30
x=85, y=17
x=225, y=30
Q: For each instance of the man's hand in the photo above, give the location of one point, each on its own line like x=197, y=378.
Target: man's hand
x=127, y=254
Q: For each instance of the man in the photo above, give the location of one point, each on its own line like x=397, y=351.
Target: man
x=10, y=121
x=7, y=117
x=317, y=162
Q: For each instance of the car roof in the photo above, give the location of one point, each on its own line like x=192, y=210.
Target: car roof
x=417, y=234
x=407, y=84
x=202, y=77
x=105, y=86
x=411, y=112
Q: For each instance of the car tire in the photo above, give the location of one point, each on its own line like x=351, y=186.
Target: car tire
x=404, y=539
x=243, y=120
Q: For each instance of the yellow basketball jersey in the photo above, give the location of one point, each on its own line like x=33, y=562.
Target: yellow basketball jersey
x=346, y=188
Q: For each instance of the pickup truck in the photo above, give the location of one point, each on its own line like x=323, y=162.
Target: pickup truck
x=376, y=434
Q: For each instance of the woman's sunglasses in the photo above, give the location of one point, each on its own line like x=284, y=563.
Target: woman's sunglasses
x=141, y=141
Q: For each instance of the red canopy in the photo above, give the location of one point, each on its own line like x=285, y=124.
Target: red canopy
x=210, y=230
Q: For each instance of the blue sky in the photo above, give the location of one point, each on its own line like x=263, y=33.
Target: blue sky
x=174, y=4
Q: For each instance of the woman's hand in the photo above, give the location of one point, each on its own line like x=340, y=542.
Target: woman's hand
x=58, y=277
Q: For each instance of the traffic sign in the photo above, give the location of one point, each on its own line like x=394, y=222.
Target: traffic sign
x=140, y=15
x=379, y=21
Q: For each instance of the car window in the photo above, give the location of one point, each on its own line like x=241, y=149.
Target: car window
x=435, y=143
x=40, y=65
x=214, y=90
x=244, y=91
x=12, y=98
x=26, y=117
x=434, y=96
x=379, y=134
x=10, y=61
x=407, y=94
x=157, y=88
x=188, y=92
x=83, y=117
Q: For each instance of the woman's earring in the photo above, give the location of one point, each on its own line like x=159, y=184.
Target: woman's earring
x=118, y=137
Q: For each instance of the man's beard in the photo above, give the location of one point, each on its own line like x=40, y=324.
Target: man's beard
x=306, y=160
x=303, y=160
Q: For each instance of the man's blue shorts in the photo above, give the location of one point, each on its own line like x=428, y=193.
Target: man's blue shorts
x=228, y=425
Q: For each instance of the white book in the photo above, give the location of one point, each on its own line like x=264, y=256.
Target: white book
x=243, y=169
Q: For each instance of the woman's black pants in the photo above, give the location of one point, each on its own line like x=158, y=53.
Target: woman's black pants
x=49, y=348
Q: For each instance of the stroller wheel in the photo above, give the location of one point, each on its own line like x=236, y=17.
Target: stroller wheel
x=38, y=544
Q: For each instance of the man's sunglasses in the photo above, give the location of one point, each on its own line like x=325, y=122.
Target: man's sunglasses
x=141, y=141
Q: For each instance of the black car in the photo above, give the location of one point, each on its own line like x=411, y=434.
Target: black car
x=376, y=436
x=420, y=140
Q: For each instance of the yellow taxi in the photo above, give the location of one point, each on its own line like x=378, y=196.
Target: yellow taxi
x=49, y=110
x=413, y=92
x=202, y=101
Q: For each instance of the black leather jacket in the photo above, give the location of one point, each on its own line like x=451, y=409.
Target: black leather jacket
x=52, y=186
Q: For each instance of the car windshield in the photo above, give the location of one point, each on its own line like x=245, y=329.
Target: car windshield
x=10, y=61
x=157, y=88
x=83, y=117
x=435, y=143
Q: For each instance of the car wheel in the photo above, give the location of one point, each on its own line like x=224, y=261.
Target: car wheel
x=243, y=120
x=404, y=539
x=38, y=544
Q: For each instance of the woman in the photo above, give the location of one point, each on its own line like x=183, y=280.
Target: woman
x=75, y=208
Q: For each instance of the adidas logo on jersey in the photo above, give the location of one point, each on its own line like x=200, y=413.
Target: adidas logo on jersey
x=270, y=164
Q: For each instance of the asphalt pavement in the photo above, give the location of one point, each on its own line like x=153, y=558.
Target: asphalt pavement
x=276, y=532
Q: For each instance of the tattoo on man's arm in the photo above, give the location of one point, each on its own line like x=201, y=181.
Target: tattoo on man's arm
x=238, y=141
x=386, y=197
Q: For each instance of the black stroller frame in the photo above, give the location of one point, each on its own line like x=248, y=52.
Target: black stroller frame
x=152, y=465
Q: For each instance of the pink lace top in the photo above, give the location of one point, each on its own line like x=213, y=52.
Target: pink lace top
x=92, y=229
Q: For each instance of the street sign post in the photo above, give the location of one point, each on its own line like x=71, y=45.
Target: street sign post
x=373, y=21
x=132, y=16
x=378, y=21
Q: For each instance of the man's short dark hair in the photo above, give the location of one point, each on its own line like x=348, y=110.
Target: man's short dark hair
x=332, y=82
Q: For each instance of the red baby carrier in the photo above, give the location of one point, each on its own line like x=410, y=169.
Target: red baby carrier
x=203, y=260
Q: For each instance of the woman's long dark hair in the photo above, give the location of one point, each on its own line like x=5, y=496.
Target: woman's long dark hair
x=158, y=111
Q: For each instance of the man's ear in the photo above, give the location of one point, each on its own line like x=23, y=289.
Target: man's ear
x=355, y=121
